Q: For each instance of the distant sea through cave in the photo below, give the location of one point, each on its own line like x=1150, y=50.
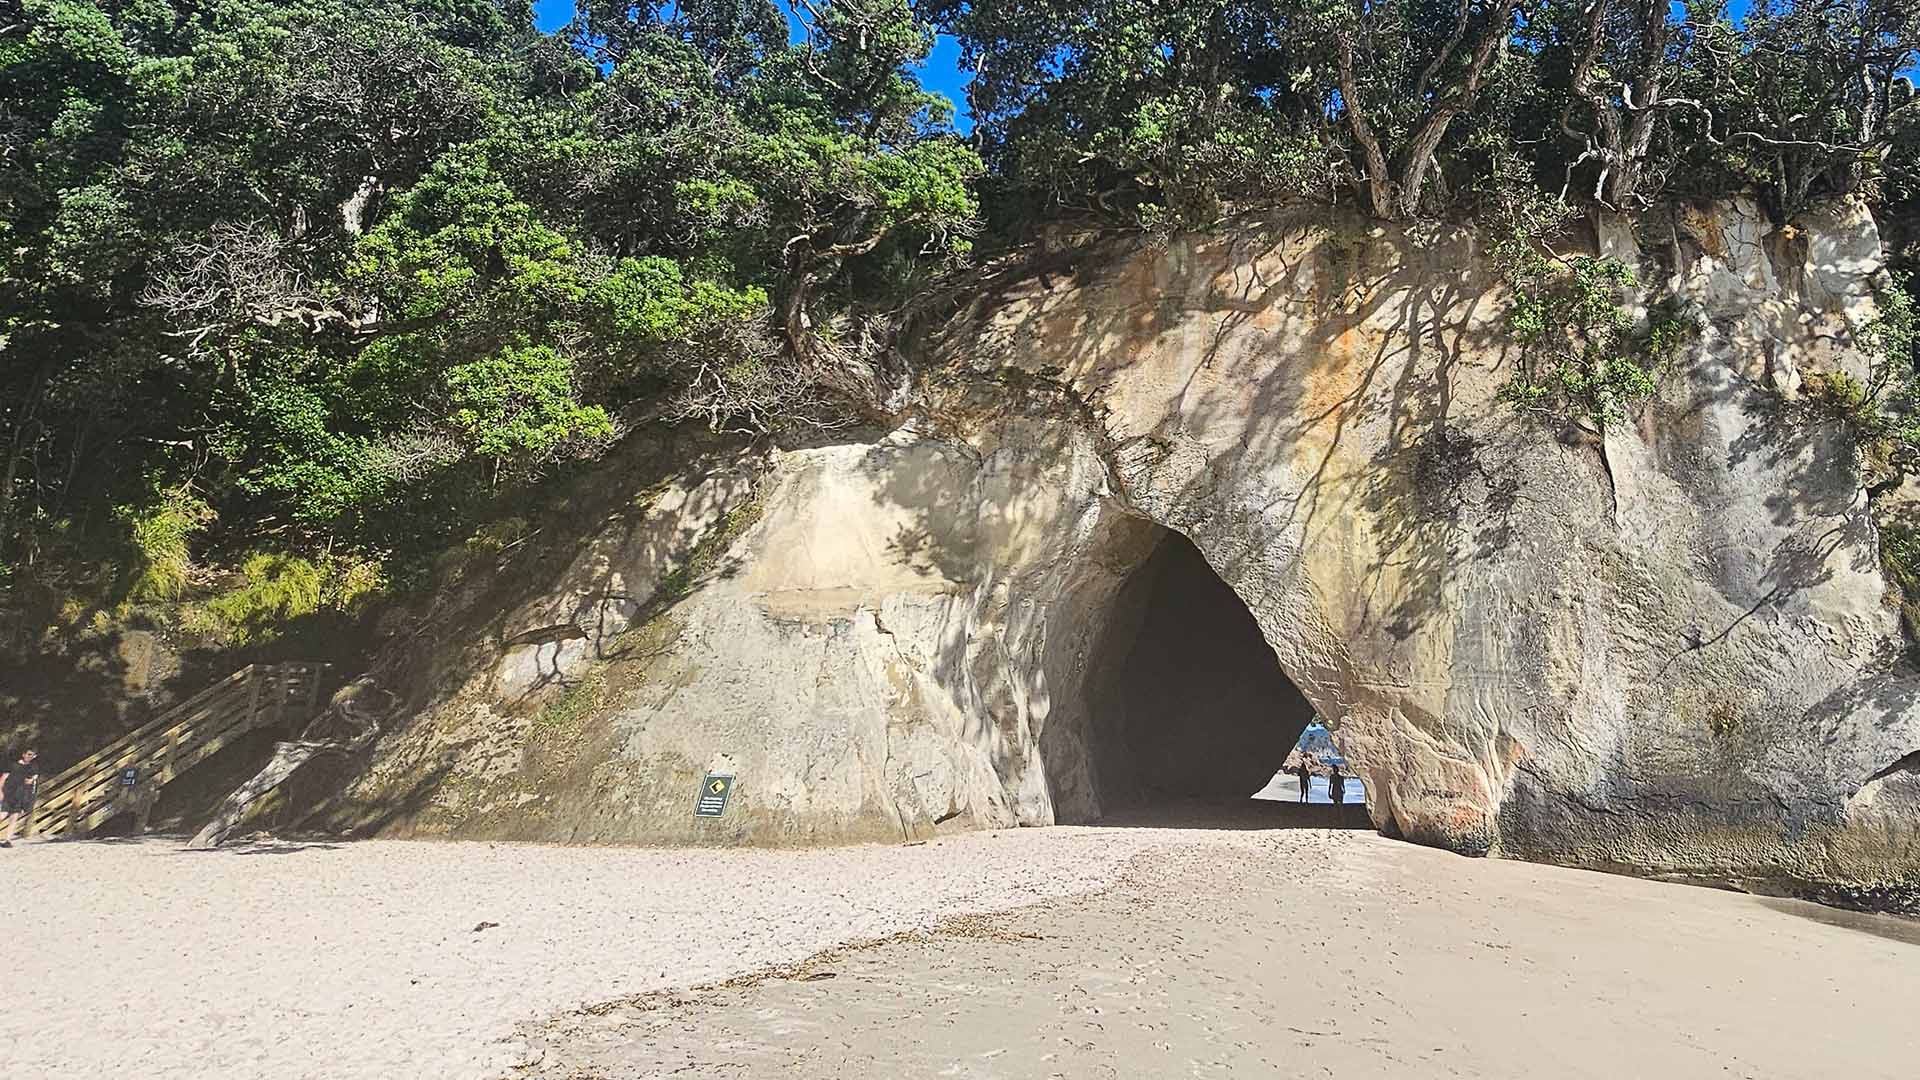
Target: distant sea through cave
x=1285, y=787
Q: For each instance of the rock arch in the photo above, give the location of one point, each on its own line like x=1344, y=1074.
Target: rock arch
x=1298, y=667
x=1664, y=646
x=1184, y=698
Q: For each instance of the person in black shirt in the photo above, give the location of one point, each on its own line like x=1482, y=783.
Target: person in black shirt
x=1337, y=786
x=18, y=786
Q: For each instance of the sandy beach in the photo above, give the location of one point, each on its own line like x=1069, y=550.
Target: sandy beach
x=1100, y=951
x=366, y=959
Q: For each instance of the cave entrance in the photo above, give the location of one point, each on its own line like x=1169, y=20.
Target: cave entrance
x=1325, y=768
x=1188, y=709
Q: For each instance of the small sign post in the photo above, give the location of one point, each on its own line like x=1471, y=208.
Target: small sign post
x=129, y=777
x=715, y=790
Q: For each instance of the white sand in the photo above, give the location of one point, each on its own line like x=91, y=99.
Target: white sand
x=1311, y=954
x=1154, y=952
x=361, y=960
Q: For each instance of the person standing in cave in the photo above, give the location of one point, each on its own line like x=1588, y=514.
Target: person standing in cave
x=1336, y=786
x=1306, y=776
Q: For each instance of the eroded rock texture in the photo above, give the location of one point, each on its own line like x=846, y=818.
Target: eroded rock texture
x=1669, y=649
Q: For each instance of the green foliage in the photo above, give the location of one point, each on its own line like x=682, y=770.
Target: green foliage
x=280, y=432
x=565, y=714
x=348, y=268
x=520, y=401
x=1893, y=338
x=1818, y=102
x=353, y=582
x=655, y=301
x=1168, y=113
x=1900, y=559
x=1579, y=356
x=162, y=531
x=1155, y=114
x=1845, y=398
x=1880, y=415
x=273, y=589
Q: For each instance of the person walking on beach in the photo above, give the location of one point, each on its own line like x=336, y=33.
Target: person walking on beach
x=1306, y=776
x=1336, y=786
x=18, y=785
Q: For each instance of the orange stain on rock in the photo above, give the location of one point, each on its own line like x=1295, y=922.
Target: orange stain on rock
x=1331, y=375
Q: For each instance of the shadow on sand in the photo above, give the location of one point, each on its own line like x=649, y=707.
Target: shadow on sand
x=1891, y=927
x=173, y=840
x=1243, y=814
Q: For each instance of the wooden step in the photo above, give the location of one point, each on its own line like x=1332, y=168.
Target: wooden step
x=89, y=793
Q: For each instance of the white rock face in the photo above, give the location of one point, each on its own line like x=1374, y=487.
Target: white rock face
x=1669, y=649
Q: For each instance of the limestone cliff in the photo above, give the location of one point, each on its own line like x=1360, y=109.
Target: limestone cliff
x=1669, y=649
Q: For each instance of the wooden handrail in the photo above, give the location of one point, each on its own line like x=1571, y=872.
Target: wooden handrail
x=139, y=743
x=146, y=729
x=87, y=793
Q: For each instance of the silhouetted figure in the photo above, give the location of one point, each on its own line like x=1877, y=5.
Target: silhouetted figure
x=1336, y=786
x=1306, y=777
x=19, y=784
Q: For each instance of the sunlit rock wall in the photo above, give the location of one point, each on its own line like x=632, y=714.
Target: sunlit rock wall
x=1667, y=647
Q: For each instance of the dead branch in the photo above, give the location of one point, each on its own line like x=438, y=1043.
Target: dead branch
x=350, y=724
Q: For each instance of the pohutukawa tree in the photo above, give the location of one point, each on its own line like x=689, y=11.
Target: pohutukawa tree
x=1402, y=81
x=328, y=275
x=1626, y=96
x=1811, y=98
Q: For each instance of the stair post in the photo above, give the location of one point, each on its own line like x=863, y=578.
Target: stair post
x=159, y=746
x=315, y=674
x=253, y=694
x=281, y=673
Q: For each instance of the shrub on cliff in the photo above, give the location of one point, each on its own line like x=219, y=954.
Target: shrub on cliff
x=350, y=270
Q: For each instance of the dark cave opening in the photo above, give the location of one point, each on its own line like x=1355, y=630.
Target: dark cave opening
x=1188, y=703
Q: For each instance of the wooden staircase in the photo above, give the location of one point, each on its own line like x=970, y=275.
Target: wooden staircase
x=90, y=793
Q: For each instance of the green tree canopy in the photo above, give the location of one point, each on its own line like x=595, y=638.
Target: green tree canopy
x=340, y=267
x=330, y=272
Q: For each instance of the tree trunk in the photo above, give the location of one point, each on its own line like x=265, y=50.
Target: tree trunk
x=856, y=376
x=1376, y=188
x=793, y=307
x=287, y=759
x=351, y=709
x=1425, y=142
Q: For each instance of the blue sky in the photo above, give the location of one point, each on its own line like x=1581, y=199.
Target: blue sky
x=942, y=71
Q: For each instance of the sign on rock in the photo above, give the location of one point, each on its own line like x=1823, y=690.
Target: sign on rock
x=715, y=790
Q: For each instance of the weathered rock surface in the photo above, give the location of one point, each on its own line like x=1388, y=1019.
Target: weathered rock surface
x=1669, y=649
